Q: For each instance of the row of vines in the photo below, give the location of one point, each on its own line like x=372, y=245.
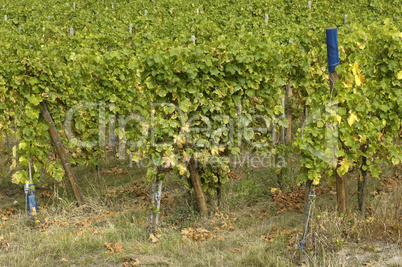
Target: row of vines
x=184, y=88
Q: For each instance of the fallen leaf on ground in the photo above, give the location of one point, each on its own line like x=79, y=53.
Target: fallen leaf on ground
x=113, y=248
x=153, y=238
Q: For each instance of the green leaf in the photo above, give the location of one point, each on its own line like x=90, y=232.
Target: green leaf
x=35, y=100
x=185, y=105
x=248, y=134
x=19, y=177
x=375, y=170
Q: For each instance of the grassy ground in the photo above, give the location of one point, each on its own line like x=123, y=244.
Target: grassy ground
x=254, y=226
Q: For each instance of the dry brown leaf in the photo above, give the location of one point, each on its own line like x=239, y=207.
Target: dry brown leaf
x=34, y=213
x=132, y=262
x=185, y=231
x=153, y=238
x=113, y=248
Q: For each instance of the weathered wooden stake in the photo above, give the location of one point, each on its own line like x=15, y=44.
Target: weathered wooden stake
x=62, y=154
x=305, y=120
x=333, y=61
x=198, y=192
x=362, y=186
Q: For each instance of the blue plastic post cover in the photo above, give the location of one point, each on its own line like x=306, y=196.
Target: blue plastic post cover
x=332, y=49
x=31, y=199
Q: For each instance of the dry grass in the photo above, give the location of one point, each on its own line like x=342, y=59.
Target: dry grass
x=247, y=230
x=375, y=239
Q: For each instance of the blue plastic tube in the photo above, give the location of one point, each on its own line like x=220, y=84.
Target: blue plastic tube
x=332, y=49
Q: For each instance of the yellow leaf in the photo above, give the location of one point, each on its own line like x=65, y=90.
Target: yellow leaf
x=182, y=169
x=348, y=84
x=186, y=128
x=357, y=80
x=338, y=118
x=344, y=167
x=355, y=68
x=214, y=150
x=400, y=74
x=352, y=118
x=186, y=157
x=316, y=179
x=273, y=190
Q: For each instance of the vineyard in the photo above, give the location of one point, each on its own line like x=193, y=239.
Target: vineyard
x=201, y=133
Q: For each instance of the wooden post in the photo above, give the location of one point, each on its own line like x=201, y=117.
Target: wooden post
x=345, y=19
x=305, y=120
x=62, y=154
x=362, y=186
x=199, y=193
x=333, y=61
x=341, y=185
